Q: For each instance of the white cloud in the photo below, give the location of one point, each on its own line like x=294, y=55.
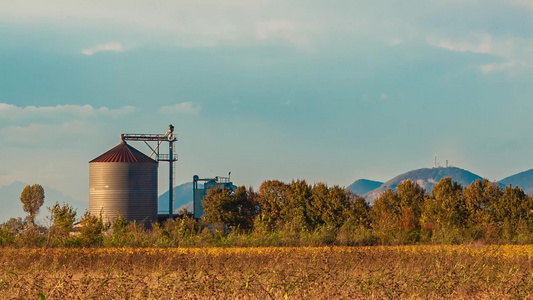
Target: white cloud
x=13, y=112
x=109, y=47
x=42, y=134
x=453, y=24
x=281, y=30
x=185, y=23
x=477, y=43
x=181, y=108
x=496, y=67
x=514, y=52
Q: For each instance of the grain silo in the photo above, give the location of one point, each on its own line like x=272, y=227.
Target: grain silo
x=123, y=181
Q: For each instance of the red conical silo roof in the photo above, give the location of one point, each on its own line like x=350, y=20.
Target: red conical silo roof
x=124, y=153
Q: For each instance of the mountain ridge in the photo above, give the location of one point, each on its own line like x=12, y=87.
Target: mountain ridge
x=524, y=180
x=182, y=198
x=426, y=178
x=363, y=186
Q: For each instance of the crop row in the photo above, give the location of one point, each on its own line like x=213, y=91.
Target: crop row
x=467, y=271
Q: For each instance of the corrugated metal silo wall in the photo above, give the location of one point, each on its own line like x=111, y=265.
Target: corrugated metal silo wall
x=127, y=188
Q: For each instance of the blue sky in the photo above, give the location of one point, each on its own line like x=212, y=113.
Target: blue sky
x=267, y=89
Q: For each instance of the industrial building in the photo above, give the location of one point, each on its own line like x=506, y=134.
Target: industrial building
x=123, y=181
x=200, y=191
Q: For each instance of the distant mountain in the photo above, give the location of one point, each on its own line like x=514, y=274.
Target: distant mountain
x=11, y=207
x=182, y=197
x=426, y=178
x=363, y=186
x=524, y=180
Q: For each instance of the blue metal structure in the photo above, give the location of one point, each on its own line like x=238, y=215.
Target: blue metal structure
x=199, y=192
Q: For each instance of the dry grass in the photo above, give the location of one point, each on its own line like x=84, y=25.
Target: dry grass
x=469, y=272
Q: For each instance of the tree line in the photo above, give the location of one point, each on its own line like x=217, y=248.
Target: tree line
x=482, y=211
x=298, y=213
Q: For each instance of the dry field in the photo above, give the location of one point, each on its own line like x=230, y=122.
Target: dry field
x=469, y=272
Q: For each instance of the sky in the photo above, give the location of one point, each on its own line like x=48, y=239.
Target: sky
x=327, y=91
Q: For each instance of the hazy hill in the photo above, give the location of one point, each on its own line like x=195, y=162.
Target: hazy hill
x=182, y=197
x=524, y=180
x=426, y=178
x=363, y=186
x=11, y=207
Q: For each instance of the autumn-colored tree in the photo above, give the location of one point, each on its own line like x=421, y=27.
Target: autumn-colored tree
x=411, y=199
x=513, y=211
x=359, y=210
x=386, y=211
x=232, y=209
x=247, y=208
x=306, y=208
x=446, y=209
x=338, y=205
x=32, y=199
x=295, y=209
x=217, y=205
x=514, y=206
x=481, y=197
x=318, y=205
x=271, y=198
x=396, y=214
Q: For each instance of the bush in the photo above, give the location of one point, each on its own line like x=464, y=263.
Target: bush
x=91, y=229
x=62, y=218
x=352, y=233
x=31, y=236
x=6, y=237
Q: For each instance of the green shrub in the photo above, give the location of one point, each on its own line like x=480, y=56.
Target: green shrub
x=91, y=229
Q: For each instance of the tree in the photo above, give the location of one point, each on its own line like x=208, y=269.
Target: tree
x=233, y=209
x=62, y=218
x=218, y=207
x=318, y=206
x=411, y=199
x=359, y=209
x=396, y=214
x=9, y=230
x=446, y=209
x=386, y=211
x=91, y=230
x=481, y=198
x=330, y=206
x=295, y=210
x=513, y=211
x=272, y=197
x=32, y=199
x=247, y=208
x=514, y=206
